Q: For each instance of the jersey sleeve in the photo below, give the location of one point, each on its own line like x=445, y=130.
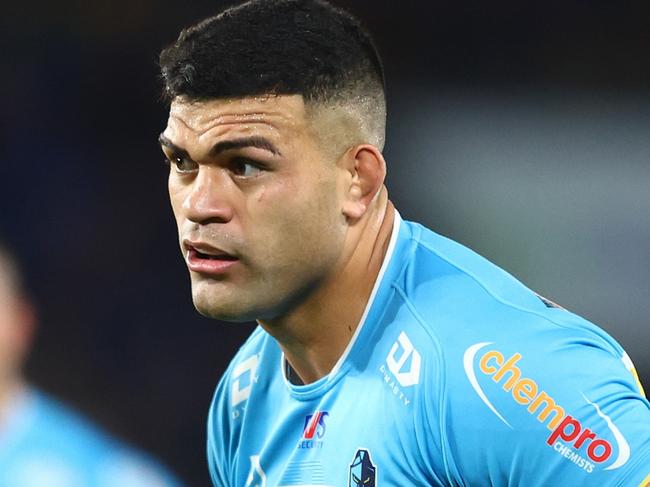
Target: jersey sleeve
x=546, y=405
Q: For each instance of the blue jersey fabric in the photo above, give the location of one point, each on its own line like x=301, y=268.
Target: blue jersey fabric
x=45, y=444
x=458, y=375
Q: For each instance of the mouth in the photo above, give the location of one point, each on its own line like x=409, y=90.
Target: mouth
x=205, y=259
x=197, y=254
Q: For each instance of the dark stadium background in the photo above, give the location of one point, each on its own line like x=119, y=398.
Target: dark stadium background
x=521, y=129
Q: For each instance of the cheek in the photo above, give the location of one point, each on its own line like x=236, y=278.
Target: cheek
x=300, y=202
x=175, y=197
x=300, y=218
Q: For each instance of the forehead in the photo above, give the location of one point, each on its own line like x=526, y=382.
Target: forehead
x=274, y=115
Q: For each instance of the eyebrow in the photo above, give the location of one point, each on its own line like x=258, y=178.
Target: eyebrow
x=226, y=145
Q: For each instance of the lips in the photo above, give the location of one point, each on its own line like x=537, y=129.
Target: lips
x=202, y=255
x=205, y=259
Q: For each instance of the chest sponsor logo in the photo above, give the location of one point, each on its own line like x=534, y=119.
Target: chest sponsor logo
x=569, y=437
x=363, y=473
x=314, y=430
x=315, y=425
x=244, y=376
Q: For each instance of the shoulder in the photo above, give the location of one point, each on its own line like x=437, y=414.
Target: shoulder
x=56, y=422
x=469, y=309
x=460, y=297
x=236, y=382
x=534, y=378
x=231, y=398
x=60, y=442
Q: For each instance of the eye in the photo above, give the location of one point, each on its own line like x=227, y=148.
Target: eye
x=245, y=168
x=182, y=164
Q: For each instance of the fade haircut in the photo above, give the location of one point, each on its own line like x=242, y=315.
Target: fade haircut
x=282, y=47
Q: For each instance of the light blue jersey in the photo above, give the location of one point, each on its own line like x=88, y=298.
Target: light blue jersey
x=44, y=444
x=457, y=375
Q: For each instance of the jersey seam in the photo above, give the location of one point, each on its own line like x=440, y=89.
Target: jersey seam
x=447, y=455
x=448, y=458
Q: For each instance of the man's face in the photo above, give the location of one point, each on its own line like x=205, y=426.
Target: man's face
x=257, y=204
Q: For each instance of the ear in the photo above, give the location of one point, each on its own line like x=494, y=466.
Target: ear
x=366, y=170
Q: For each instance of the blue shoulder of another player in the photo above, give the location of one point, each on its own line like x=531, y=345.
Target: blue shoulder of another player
x=50, y=439
x=518, y=376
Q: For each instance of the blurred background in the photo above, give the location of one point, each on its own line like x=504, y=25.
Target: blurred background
x=520, y=129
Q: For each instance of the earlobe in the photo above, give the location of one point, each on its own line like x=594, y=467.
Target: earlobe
x=354, y=208
x=368, y=170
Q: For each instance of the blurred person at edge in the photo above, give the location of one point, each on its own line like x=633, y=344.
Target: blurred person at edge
x=43, y=443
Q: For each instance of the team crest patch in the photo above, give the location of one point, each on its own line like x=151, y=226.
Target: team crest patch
x=362, y=471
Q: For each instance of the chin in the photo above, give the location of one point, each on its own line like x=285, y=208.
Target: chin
x=217, y=309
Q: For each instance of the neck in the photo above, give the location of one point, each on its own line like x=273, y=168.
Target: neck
x=314, y=335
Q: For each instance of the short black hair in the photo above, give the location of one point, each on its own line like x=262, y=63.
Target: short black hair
x=283, y=47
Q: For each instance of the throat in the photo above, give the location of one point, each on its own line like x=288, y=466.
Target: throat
x=304, y=366
x=291, y=375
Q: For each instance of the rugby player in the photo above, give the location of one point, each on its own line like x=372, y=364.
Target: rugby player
x=385, y=354
x=43, y=443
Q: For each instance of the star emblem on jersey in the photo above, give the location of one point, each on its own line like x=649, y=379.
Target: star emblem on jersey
x=362, y=471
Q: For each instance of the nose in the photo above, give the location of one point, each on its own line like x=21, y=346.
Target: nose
x=208, y=198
